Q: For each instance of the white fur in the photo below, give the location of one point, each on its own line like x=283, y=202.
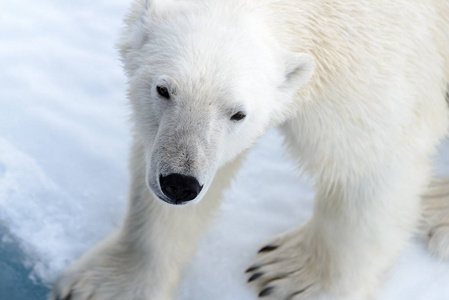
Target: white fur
x=435, y=225
x=358, y=87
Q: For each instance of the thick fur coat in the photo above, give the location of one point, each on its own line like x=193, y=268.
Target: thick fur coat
x=358, y=87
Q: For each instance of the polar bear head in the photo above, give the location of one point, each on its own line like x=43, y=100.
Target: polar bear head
x=204, y=82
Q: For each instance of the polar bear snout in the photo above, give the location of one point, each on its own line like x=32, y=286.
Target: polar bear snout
x=179, y=188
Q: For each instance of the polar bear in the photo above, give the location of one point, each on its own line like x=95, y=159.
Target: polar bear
x=358, y=87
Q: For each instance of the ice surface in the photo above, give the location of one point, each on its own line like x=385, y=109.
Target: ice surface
x=62, y=110
x=64, y=141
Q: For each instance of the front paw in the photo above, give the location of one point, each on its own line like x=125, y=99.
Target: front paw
x=97, y=282
x=106, y=272
x=296, y=266
x=91, y=285
x=74, y=285
x=285, y=270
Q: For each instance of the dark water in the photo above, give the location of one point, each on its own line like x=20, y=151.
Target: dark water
x=15, y=283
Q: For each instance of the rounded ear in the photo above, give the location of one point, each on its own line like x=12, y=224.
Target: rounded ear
x=299, y=68
x=135, y=32
x=143, y=14
x=146, y=12
x=138, y=34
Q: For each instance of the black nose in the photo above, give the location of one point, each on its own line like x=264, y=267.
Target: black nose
x=180, y=188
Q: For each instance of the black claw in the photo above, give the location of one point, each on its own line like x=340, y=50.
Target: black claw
x=268, y=248
x=255, y=276
x=266, y=292
x=299, y=292
x=253, y=268
x=69, y=297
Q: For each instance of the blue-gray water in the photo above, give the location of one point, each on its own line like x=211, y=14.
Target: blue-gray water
x=15, y=283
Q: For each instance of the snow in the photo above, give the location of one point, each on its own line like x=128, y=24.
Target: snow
x=64, y=139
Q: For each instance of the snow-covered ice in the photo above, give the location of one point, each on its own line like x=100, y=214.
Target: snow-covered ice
x=64, y=139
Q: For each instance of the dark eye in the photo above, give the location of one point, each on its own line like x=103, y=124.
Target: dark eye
x=163, y=92
x=238, y=116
